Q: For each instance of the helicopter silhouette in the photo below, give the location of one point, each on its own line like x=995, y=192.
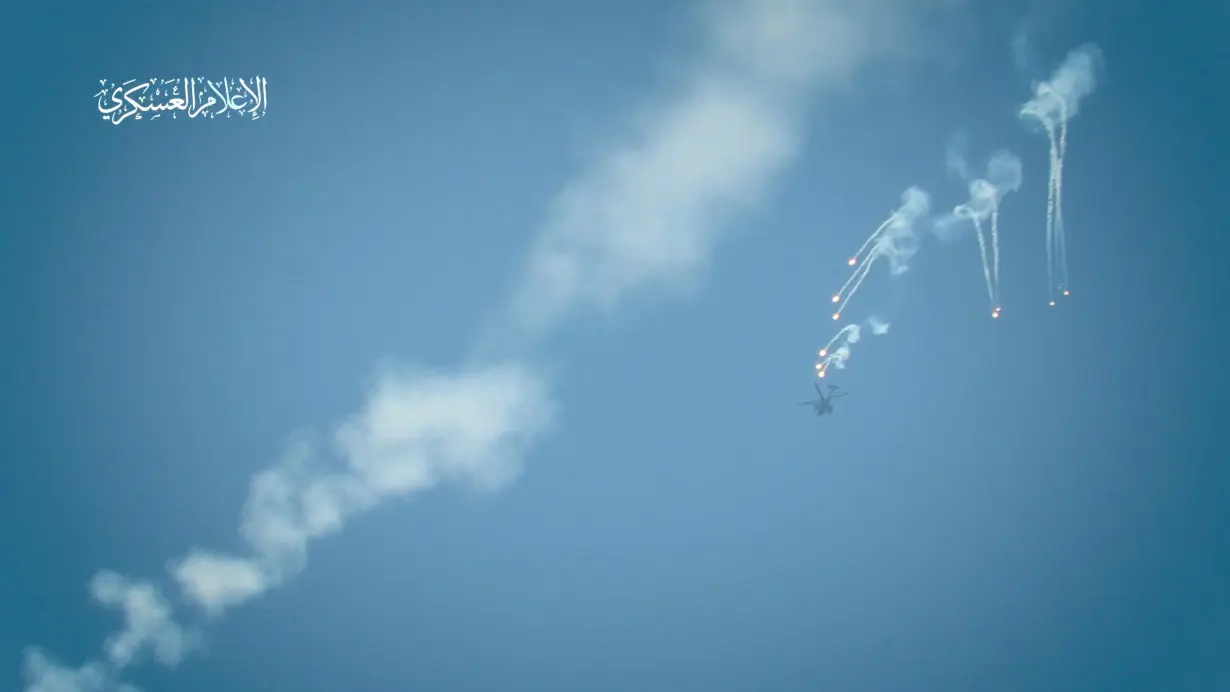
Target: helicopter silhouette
x=823, y=405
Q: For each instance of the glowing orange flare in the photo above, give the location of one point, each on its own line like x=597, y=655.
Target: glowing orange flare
x=823, y=352
x=1052, y=303
x=1065, y=292
x=836, y=297
x=836, y=315
x=995, y=315
x=852, y=261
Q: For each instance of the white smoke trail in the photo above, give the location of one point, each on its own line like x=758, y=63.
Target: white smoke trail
x=894, y=239
x=846, y=337
x=985, y=194
x=964, y=211
x=874, y=234
x=995, y=248
x=1004, y=176
x=1051, y=185
x=840, y=334
x=863, y=265
x=857, y=278
x=1055, y=102
x=1061, y=150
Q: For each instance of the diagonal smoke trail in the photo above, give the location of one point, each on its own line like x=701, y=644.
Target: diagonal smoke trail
x=982, y=250
x=995, y=248
x=860, y=275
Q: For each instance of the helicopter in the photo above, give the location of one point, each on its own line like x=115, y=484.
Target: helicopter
x=823, y=405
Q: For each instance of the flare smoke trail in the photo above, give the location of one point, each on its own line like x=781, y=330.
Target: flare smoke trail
x=1055, y=163
x=995, y=247
x=844, y=339
x=985, y=194
x=963, y=211
x=1055, y=102
x=893, y=239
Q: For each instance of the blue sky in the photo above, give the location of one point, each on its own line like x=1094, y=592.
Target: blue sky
x=473, y=364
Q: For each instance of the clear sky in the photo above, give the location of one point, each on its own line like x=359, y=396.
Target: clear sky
x=473, y=365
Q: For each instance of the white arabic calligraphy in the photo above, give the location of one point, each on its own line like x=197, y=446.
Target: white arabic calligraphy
x=154, y=97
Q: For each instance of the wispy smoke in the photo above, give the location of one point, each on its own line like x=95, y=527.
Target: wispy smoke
x=899, y=242
x=1022, y=57
x=1058, y=98
x=955, y=156
x=648, y=215
x=416, y=431
x=1003, y=175
x=147, y=620
x=837, y=351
